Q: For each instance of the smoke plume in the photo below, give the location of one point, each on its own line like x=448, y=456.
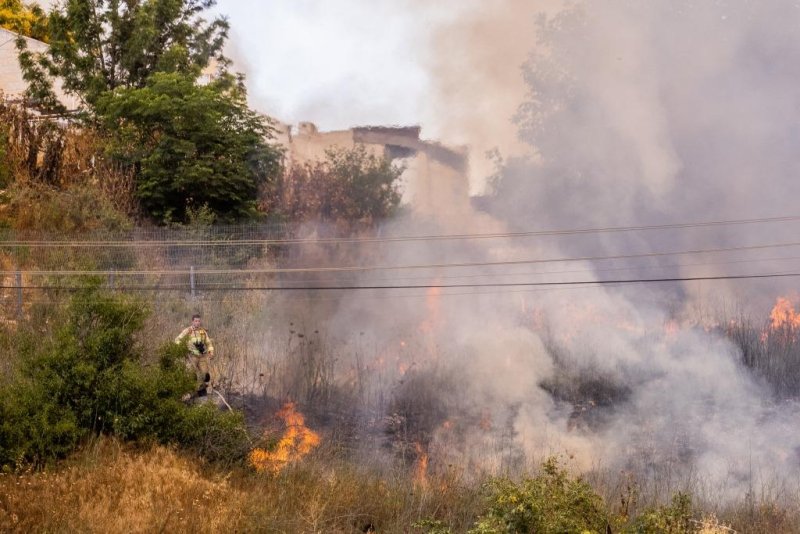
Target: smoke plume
x=623, y=113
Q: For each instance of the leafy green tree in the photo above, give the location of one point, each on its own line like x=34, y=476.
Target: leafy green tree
x=100, y=45
x=190, y=145
x=134, y=65
x=29, y=20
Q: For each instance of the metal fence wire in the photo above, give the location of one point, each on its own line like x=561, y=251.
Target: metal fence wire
x=183, y=260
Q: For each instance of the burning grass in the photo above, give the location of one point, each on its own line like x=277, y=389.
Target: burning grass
x=296, y=442
x=771, y=349
x=404, y=457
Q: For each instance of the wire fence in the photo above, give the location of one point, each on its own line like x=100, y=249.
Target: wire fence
x=140, y=247
x=159, y=258
x=167, y=266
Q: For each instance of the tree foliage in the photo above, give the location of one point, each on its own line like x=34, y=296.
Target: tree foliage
x=100, y=45
x=349, y=185
x=190, y=145
x=135, y=67
x=29, y=20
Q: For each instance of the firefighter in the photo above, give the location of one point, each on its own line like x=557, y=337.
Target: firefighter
x=200, y=354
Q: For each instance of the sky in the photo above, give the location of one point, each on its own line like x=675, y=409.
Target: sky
x=337, y=64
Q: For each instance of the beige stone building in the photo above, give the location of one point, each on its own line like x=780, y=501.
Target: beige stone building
x=436, y=175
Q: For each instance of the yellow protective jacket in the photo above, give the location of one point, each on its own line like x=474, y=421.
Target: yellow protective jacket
x=193, y=337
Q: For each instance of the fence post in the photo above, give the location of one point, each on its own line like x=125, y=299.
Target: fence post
x=191, y=279
x=18, y=284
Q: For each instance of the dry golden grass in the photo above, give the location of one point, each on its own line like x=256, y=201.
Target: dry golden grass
x=711, y=525
x=109, y=487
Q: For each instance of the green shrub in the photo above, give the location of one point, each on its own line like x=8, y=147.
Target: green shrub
x=87, y=378
x=33, y=428
x=673, y=519
x=349, y=185
x=552, y=502
x=215, y=435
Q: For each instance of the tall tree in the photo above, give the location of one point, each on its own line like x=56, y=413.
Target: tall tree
x=100, y=45
x=135, y=65
x=192, y=146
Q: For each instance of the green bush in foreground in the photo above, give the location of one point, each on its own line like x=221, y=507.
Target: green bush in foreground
x=673, y=519
x=86, y=377
x=552, y=502
x=556, y=503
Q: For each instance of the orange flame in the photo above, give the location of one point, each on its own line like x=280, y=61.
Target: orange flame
x=421, y=468
x=296, y=442
x=784, y=316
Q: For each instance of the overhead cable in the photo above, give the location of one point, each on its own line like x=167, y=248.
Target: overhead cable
x=423, y=286
x=389, y=239
x=360, y=268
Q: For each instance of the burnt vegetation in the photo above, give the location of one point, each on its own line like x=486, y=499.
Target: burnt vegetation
x=770, y=352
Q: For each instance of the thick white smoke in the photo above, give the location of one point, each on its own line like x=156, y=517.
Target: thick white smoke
x=652, y=113
x=636, y=113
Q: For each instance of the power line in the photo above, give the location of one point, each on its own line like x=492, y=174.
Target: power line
x=431, y=237
x=400, y=267
x=538, y=273
x=426, y=286
x=312, y=298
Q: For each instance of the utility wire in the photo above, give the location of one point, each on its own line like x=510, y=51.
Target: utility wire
x=312, y=298
x=426, y=286
x=402, y=267
x=537, y=273
x=431, y=237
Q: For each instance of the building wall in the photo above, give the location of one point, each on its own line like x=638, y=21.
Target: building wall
x=436, y=175
x=308, y=144
x=12, y=83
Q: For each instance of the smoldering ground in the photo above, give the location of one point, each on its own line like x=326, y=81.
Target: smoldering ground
x=635, y=114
